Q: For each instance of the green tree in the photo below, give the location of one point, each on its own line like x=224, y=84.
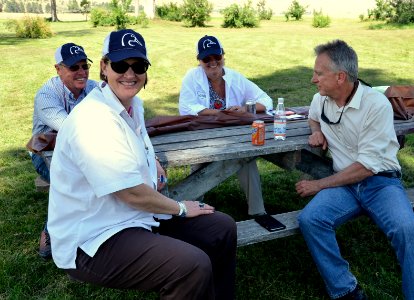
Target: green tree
x=85, y=8
x=73, y=6
x=196, y=12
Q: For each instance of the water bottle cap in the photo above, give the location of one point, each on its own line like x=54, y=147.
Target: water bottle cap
x=280, y=100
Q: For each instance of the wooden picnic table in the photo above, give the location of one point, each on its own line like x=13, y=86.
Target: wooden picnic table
x=221, y=152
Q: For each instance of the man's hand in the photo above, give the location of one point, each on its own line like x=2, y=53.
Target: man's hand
x=307, y=187
x=317, y=139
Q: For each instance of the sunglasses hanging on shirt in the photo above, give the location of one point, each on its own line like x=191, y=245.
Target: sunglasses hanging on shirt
x=139, y=67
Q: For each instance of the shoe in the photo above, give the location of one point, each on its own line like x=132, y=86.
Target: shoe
x=45, y=251
x=357, y=294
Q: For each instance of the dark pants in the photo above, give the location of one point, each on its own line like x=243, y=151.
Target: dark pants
x=189, y=258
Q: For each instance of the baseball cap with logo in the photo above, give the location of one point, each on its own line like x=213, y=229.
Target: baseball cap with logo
x=123, y=44
x=69, y=54
x=208, y=45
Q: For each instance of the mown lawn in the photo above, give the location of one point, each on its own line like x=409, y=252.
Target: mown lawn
x=278, y=56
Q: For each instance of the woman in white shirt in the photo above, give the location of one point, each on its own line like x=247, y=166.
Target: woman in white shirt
x=108, y=223
x=210, y=88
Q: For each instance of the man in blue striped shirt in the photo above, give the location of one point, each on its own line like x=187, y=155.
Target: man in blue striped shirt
x=55, y=100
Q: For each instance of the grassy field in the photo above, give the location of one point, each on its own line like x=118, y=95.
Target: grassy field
x=278, y=56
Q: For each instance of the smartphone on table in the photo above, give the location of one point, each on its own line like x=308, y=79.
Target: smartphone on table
x=270, y=223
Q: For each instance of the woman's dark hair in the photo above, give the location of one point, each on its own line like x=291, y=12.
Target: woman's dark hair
x=102, y=76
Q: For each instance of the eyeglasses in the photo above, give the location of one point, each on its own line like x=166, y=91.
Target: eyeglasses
x=325, y=118
x=120, y=67
x=76, y=68
x=209, y=58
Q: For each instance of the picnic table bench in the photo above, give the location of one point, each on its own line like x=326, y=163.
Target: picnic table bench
x=221, y=152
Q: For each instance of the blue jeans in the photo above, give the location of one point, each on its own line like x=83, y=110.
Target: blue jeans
x=40, y=166
x=384, y=200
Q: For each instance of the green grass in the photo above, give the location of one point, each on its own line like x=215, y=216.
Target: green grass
x=278, y=56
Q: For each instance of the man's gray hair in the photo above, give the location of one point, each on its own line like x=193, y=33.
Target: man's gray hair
x=343, y=58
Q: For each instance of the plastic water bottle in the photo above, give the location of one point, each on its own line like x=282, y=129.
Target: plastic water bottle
x=280, y=121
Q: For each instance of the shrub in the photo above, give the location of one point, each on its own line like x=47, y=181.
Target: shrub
x=101, y=17
x=196, y=12
x=263, y=12
x=319, y=20
x=142, y=20
x=237, y=17
x=30, y=27
x=403, y=11
x=295, y=11
x=119, y=10
x=382, y=11
x=170, y=12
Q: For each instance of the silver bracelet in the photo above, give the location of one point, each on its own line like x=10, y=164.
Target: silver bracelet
x=183, y=209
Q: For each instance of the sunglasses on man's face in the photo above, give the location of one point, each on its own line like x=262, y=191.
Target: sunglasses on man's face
x=120, y=67
x=214, y=57
x=76, y=68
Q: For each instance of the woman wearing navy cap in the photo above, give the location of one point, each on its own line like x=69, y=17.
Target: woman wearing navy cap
x=108, y=223
x=211, y=87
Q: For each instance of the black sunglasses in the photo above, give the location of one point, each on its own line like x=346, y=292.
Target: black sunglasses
x=120, y=67
x=325, y=118
x=76, y=68
x=209, y=58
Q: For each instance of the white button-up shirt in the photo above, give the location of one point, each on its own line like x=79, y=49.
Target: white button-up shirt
x=365, y=133
x=195, y=96
x=99, y=150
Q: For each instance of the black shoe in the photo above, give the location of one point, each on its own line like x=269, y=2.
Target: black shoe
x=356, y=294
x=45, y=251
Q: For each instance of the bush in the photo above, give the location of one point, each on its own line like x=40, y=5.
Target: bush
x=119, y=10
x=237, y=17
x=142, y=20
x=382, y=11
x=295, y=11
x=319, y=20
x=30, y=27
x=196, y=12
x=263, y=12
x=170, y=12
x=403, y=11
x=101, y=17
x=393, y=11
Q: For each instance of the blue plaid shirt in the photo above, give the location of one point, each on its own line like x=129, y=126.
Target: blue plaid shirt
x=53, y=102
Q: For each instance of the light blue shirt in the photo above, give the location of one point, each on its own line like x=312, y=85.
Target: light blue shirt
x=53, y=102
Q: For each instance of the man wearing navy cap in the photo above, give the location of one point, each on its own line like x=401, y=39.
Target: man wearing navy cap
x=54, y=101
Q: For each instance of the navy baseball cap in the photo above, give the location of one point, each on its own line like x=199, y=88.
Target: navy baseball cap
x=70, y=54
x=208, y=45
x=123, y=44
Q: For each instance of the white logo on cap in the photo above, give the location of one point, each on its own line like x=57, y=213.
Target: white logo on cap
x=75, y=50
x=207, y=43
x=131, y=39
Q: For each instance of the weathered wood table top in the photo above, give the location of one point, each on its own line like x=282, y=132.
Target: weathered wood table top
x=222, y=152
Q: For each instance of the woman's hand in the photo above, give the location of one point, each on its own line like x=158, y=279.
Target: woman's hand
x=236, y=108
x=161, y=176
x=196, y=208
